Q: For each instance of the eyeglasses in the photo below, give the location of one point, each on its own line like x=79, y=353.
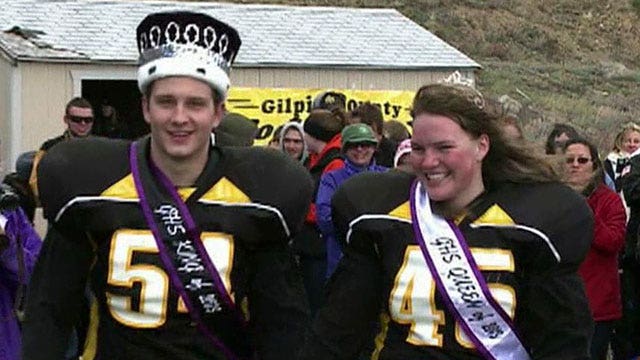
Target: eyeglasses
x=359, y=145
x=581, y=160
x=79, y=119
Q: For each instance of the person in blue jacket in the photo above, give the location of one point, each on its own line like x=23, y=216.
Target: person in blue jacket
x=358, y=147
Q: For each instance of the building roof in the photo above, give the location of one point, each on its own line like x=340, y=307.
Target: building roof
x=272, y=35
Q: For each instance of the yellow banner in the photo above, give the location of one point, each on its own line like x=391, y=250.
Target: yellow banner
x=271, y=108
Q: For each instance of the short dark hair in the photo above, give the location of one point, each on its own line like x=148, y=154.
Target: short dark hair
x=511, y=161
x=371, y=115
x=559, y=129
x=217, y=97
x=78, y=102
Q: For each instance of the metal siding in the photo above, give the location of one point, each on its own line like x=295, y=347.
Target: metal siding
x=339, y=79
x=5, y=115
x=46, y=89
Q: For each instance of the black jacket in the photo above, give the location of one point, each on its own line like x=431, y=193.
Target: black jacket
x=528, y=241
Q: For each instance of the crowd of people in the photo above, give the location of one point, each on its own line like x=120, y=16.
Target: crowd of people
x=347, y=237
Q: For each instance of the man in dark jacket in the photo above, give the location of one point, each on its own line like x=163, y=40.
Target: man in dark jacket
x=322, y=136
x=78, y=116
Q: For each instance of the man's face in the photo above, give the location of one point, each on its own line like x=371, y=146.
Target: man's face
x=79, y=121
x=292, y=143
x=181, y=114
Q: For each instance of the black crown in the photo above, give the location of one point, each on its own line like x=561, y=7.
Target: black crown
x=162, y=34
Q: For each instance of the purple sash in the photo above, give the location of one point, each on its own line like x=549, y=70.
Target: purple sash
x=460, y=283
x=192, y=274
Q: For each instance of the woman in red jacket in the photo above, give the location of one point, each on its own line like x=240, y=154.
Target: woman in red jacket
x=584, y=173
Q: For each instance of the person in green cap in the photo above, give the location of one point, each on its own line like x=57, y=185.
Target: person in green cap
x=358, y=147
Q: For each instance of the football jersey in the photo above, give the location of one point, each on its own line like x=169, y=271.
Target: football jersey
x=527, y=241
x=246, y=203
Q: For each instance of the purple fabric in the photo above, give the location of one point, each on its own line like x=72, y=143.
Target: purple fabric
x=329, y=183
x=440, y=286
x=192, y=233
x=17, y=226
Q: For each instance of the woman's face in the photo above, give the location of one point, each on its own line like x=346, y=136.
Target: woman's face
x=578, y=165
x=447, y=160
x=631, y=141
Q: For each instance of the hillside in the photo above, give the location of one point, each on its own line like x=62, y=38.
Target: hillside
x=570, y=61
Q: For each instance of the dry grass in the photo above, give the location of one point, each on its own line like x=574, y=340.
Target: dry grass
x=575, y=61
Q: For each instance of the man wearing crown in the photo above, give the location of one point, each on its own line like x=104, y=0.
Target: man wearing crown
x=185, y=251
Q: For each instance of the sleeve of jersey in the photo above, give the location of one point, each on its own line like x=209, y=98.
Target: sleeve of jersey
x=277, y=304
x=54, y=296
x=553, y=313
x=344, y=324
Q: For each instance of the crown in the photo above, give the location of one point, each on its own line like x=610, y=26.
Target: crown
x=455, y=78
x=466, y=86
x=186, y=44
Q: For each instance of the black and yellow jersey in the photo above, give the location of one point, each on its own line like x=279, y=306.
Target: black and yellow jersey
x=247, y=202
x=527, y=240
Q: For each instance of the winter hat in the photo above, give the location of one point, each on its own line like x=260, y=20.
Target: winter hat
x=235, y=130
x=323, y=124
x=329, y=100
x=403, y=148
x=358, y=134
x=184, y=43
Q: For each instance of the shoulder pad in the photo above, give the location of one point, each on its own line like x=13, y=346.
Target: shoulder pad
x=374, y=193
x=270, y=177
x=79, y=167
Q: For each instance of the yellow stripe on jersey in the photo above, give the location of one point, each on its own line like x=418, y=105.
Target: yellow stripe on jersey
x=125, y=188
x=225, y=190
x=186, y=192
x=495, y=215
x=381, y=337
x=91, y=341
x=403, y=211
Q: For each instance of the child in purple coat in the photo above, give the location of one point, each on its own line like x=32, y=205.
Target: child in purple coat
x=19, y=248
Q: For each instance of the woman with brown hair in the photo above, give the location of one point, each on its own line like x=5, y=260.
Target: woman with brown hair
x=475, y=256
x=584, y=174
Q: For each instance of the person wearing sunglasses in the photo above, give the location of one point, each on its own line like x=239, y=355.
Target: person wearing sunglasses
x=185, y=241
x=358, y=148
x=78, y=117
x=585, y=174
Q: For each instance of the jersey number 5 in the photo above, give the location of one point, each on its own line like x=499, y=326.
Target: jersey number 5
x=412, y=299
x=153, y=281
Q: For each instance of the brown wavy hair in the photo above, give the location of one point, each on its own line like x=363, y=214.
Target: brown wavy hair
x=507, y=160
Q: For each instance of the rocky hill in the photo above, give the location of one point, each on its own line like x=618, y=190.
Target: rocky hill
x=575, y=61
